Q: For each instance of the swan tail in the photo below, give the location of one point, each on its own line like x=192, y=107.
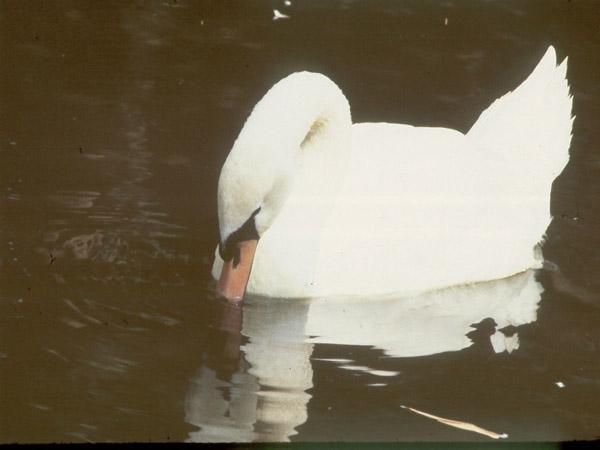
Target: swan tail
x=530, y=127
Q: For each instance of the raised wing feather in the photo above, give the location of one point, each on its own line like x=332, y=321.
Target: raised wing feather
x=531, y=126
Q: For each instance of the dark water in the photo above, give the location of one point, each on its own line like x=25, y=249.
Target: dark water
x=114, y=121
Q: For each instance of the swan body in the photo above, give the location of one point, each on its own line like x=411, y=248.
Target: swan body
x=379, y=208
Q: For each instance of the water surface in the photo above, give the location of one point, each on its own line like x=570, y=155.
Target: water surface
x=115, y=119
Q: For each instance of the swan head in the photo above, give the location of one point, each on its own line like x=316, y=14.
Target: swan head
x=303, y=115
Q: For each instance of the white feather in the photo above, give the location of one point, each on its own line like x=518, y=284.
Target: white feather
x=377, y=208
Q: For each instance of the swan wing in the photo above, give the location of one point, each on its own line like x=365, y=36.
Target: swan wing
x=531, y=126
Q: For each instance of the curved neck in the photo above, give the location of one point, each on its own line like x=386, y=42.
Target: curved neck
x=301, y=125
x=296, y=113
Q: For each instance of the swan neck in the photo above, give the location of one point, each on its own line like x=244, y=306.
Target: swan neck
x=295, y=134
x=299, y=112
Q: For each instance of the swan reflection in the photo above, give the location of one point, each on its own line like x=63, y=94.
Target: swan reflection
x=253, y=381
x=252, y=386
x=429, y=323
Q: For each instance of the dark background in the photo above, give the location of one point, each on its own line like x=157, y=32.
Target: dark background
x=115, y=118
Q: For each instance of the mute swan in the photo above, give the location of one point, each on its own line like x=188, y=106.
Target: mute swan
x=310, y=204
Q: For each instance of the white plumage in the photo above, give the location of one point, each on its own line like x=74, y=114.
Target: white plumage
x=379, y=208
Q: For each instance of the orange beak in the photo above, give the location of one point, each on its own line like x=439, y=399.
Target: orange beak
x=234, y=278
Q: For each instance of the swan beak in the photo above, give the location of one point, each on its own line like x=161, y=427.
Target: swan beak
x=234, y=277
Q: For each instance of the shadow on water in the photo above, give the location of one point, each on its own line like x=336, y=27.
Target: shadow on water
x=115, y=120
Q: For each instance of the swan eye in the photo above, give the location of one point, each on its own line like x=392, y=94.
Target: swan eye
x=246, y=232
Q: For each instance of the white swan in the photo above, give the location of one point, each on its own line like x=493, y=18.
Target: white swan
x=312, y=205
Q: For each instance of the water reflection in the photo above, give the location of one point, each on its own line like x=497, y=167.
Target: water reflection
x=253, y=385
x=256, y=389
